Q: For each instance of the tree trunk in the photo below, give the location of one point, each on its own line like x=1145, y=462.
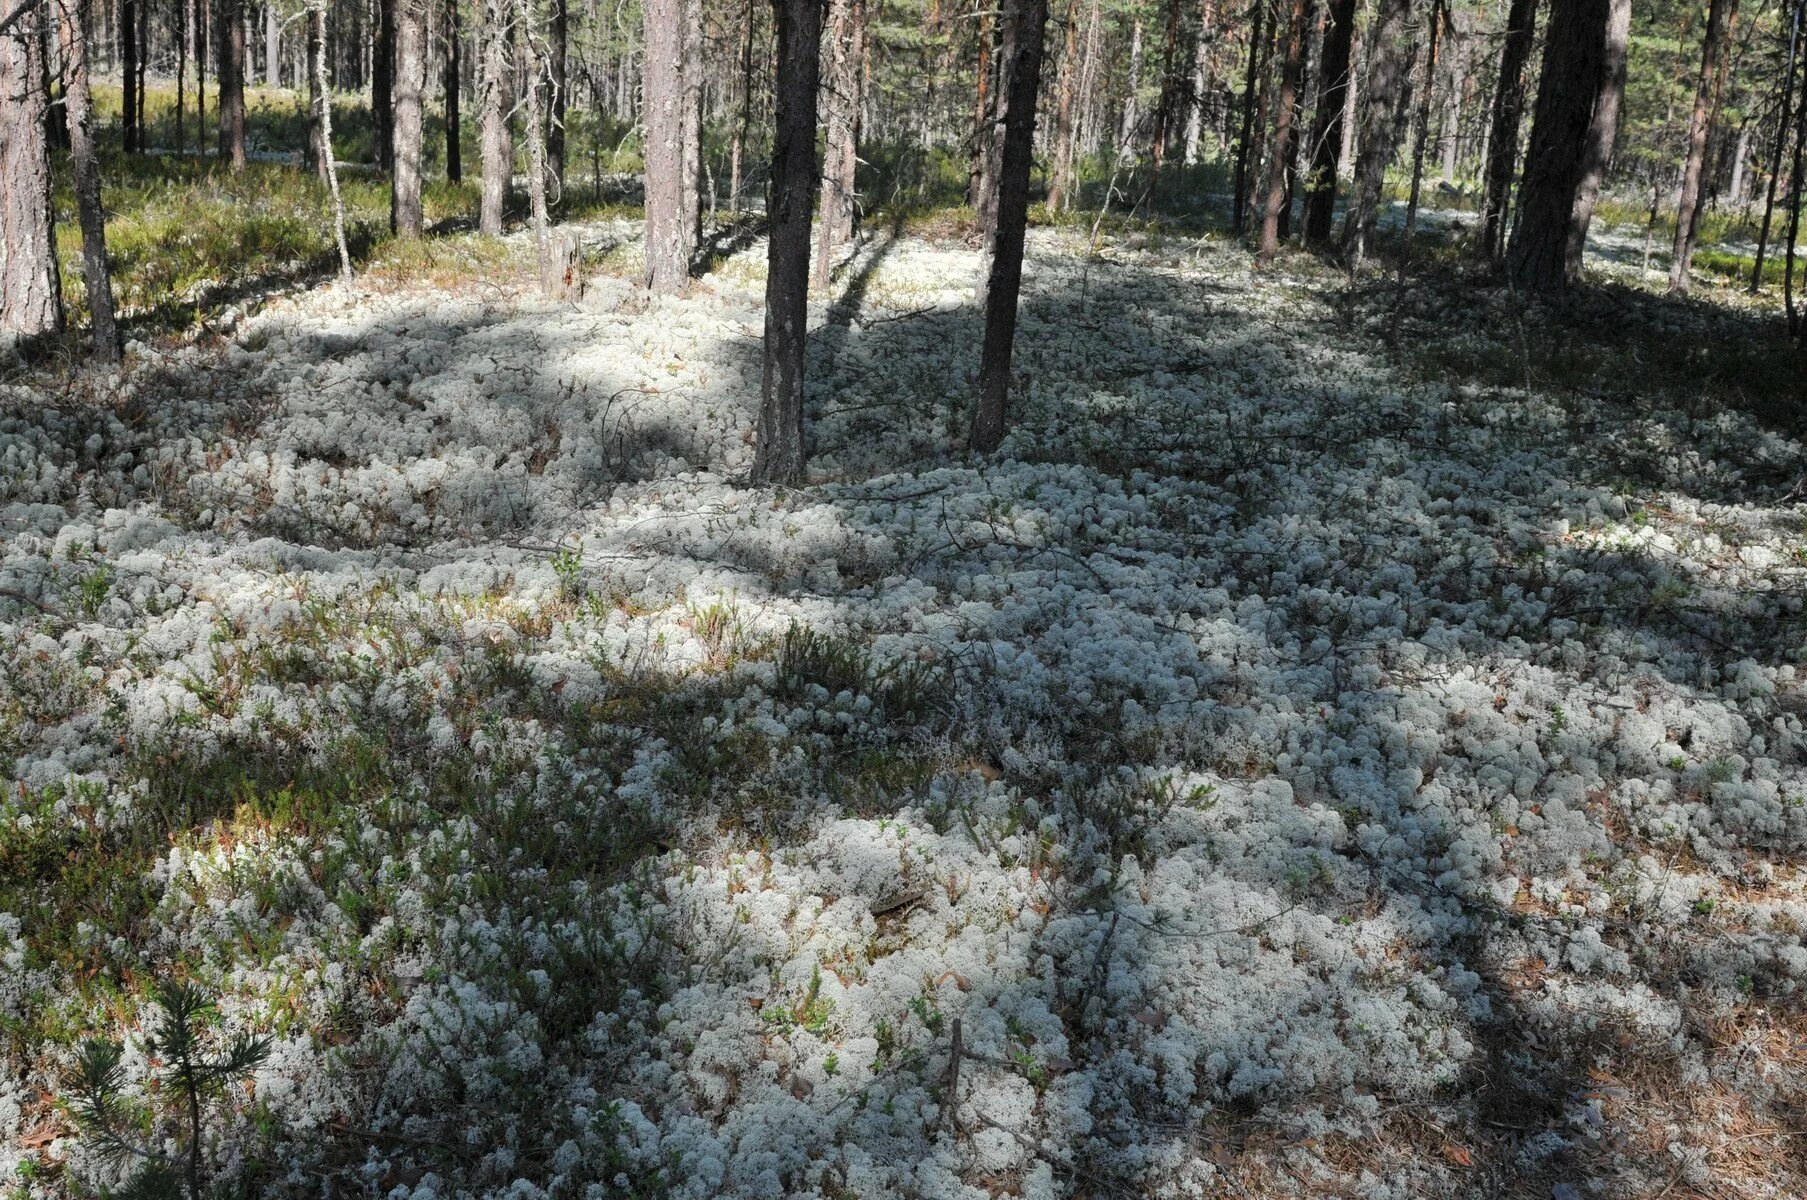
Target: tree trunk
x=527, y=22
x=1439, y=20
x=979, y=161
x=1168, y=101
x=1204, y=76
x=79, y=113
x=272, y=46
x=200, y=57
x=743, y=124
x=1292, y=66
x=1327, y=129
x=1502, y=137
x=1687, y=214
x=128, y=75
x=1385, y=99
x=1027, y=21
x=778, y=455
x=324, y=115
x=1132, y=99
x=181, y=37
x=496, y=146
x=558, y=52
x=316, y=97
x=1782, y=126
x=691, y=190
x=1246, y=135
x=840, y=104
x=1571, y=140
x=382, y=83
x=409, y=82
x=230, y=27
x=454, y=132
x=31, y=298
x=1738, y=187
x=1070, y=67
x=669, y=228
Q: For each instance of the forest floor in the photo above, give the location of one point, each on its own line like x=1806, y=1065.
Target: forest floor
x=1348, y=743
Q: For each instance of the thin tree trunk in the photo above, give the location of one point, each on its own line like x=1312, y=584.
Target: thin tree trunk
x=743, y=124
x=1292, y=66
x=1327, y=129
x=1204, y=76
x=317, y=20
x=987, y=214
x=1582, y=78
x=316, y=97
x=454, y=132
x=1794, y=215
x=79, y=113
x=1027, y=20
x=1738, y=187
x=1246, y=136
x=1502, y=137
x=840, y=105
x=526, y=27
x=382, y=83
x=692, y=186
x=1168, y=100
x=128, y=76
x=779, y=455
x=1687, y=213
x=230, y=27
x=1386, y=97
x=409, y=81
x=31, y=298
x=1439, y=18
x=200, y=57
x=1132, y=108
x=558, y=52
x=181, y=36
x=979, y=161
x=272, y=45
x=1782, y=125
x=495, y=144
x=1070, y=70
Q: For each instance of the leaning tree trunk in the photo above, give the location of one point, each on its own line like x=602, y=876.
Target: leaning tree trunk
x=1502, y=137
x=409, y=81
x=668, y=235
x=778, y=455
x=324, y=116
x=31, y=298
x=497, y=148
x=1782, y=127
x=1687, y=213
x=229, y=23
x=1026, y=22
x=1292, y=67
x=841, y=102
x=77, y=108
x=1571, y=140
x=454, y=152
x=1385, y=98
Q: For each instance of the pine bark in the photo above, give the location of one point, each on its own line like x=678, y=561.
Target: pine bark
x=1688, y=207
x=840, y=104
x=668, y=234
x=1204, y=77
x=1027, y=21
x=229, y=25
x=31, y=298
x=1064, y=88
x=1245, y=138
x=406, y=217
x=1280, y=159
x=1783, y=125
x=1503, y=127
x=78, y=110
x=1572, y=129
x=382, y=83
x=779, y=454
x=1327, y=128
x=557, y=72
x=272, y=46
x=495, y=144
x=1385, y=98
